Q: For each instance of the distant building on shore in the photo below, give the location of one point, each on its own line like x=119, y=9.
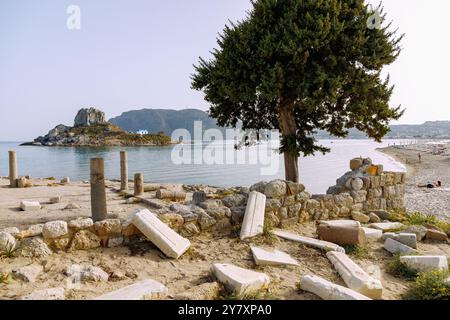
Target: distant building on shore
x=142, y=132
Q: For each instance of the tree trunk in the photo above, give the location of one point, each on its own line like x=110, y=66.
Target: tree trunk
x=289, y=127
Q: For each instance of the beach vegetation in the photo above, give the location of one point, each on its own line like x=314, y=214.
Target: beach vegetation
x=398, y=269
x=418, y=218
x=358, y=251
x=432, y=285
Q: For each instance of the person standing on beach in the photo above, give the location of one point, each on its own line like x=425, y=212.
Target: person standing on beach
x=420, y=157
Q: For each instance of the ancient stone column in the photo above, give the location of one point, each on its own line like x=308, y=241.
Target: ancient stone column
x=98, y=191
x=123, y=171
x=138, y=184
x=12, y=169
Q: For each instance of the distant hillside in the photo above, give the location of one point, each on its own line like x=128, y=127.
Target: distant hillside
x=156, y=120
x=427, y=130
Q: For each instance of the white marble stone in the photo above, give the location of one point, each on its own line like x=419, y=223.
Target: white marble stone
x=30, y=205
x=386, y=226
x=395, y=247
x=238, y=279
x=272, y=257
x=425, y=263
x=46, y=294
x=341, y=223
x=253, y=223
x=373, y=234
x=328, y=290
x=168, y=241
x=324, y=245
x=143, y=290
x=409, y=239
x=355, y=277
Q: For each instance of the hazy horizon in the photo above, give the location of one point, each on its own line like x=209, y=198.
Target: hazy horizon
x=137, y=55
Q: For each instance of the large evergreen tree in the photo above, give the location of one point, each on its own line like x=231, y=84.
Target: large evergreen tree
x=299, y=66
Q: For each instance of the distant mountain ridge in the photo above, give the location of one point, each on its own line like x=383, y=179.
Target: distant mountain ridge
x=166, y=120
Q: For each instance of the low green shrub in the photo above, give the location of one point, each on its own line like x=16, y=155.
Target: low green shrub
x=433, y=285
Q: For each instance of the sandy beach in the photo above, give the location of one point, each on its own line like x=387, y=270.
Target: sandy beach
x=133, y=262
x=433, y=166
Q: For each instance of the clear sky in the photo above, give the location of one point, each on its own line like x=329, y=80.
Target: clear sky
x=139, y=53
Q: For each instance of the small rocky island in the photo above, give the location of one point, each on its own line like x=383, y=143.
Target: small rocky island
x=91, y=129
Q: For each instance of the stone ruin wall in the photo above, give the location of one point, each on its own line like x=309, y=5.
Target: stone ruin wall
x=364, y=189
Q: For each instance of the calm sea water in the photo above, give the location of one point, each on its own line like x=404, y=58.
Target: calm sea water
x=161, y=164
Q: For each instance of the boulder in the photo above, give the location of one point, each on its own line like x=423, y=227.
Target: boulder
x=206, y=221
x=7, y=242
x=241, y=281
x=361, y=217
x=189, y=229
x=142, y=290
x=115, y=242
x=173, y=220
x=59, y=244
x=272, y=257
x=87, y=273
x=54, y=200
x=425, y=263
x=22, y=182
x=80, y=224
x=357, y=184
x=327, y=290
x=294, y=188
x=355, y=277
x=382, y=214
x=210, y=204
x=235, y=200
x=28, y=273
x=341, y=235
x=12, y=230
x=34, y=248
x=198, y=197
x=30, y=206
x=259, y=187
x=419, y=231
x=88, y=117
x=396, y=247
x=275, y=189
x=108, y=227
x=356, y=163
x=84, y=240
x=32, y=231
x=55, y=229
x=410, y=239
x=219, y=212
x=71, y=206
x=46, y=294
x=374, y=218
x=435, y=235
x=237, y=214
x=205, y=291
